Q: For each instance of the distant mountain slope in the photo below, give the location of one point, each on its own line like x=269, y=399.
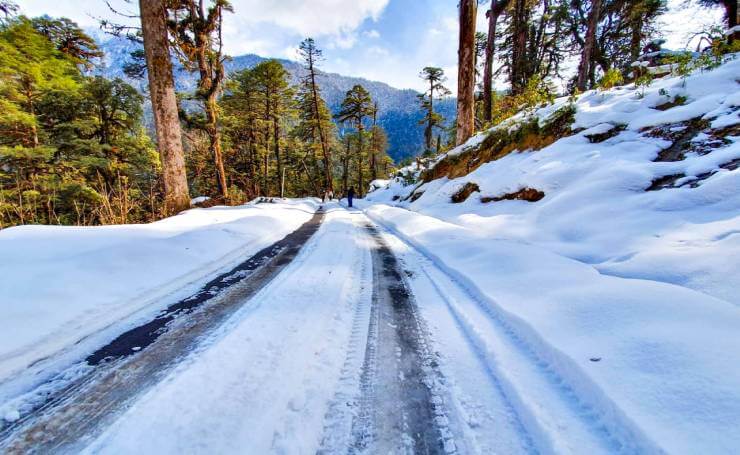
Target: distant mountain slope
x=399, y=109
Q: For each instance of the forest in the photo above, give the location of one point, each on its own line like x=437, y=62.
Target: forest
x=75, y=148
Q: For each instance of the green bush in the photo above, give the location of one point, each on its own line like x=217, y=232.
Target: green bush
x=610, y=79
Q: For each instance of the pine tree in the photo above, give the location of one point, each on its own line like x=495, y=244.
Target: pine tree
x=69, y=39
x=435, y=78
x=357, y=106
x=242, y=114
x=164, y=104
x=197, y=33
x=315, y=115
x=72, y=148
x=271, y=82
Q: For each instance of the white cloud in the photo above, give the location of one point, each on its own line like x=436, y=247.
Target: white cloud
x=343, y=41
x=314, y=18
x=374, y=34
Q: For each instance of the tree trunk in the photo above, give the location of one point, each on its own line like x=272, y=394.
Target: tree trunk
x=373, y=151
x=497, y=7
x=519, y=47
x=164, y=105
x=345, y=168
x=252, y=163
x=278, y=159
x=635, y=37
x=214, y=136
x=360, y=130
x=328, y=181
x=466, y=72
x=585, y=65
x=428, y=130
x=266, y=163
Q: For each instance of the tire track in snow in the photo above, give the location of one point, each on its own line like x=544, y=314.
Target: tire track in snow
x=345, y=403
x=401, y=409
x=558, y=419
x=119, y=372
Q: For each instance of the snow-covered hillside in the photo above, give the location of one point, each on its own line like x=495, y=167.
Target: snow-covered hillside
x=643, y=190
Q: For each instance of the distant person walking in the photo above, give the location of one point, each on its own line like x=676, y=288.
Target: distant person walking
x=350, y=196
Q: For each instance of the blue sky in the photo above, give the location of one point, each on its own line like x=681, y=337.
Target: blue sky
x=385, y=40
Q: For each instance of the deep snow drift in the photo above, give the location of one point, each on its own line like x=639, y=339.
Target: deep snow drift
x=59, y=285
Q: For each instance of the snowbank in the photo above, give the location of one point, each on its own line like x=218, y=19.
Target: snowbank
x=596, y=209
x=657, y=363
x=61, y=284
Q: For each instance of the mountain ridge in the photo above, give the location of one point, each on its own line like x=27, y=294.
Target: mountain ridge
x=399, y=113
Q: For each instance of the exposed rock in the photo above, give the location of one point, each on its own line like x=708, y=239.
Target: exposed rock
x=465, y=192
x=525, y=194
x=601, y=137
x=676, y=101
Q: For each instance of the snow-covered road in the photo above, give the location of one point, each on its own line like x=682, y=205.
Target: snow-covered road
x=359, y=342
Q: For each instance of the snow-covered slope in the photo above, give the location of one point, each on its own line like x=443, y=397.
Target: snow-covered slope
x=626, y=297
x=59, y=285
x=596, y=208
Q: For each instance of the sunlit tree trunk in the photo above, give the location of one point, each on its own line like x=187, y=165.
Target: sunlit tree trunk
x=466, y=71
x=164, y=105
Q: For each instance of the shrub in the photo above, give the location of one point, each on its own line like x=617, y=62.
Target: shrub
x=642, y=83
x=610, y=79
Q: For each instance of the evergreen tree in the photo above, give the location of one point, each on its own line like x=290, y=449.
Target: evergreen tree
x=435, y=78
x=164, y=104
x=356, y=107
x=242, y=117
x=315, y=115
x=197, y=34
x=271, y=82
x=68, y=39
x=72, y=149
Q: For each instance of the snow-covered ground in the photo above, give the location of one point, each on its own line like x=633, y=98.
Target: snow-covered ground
x=60, y=285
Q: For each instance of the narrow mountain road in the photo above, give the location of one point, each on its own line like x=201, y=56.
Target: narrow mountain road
x=339, y=339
